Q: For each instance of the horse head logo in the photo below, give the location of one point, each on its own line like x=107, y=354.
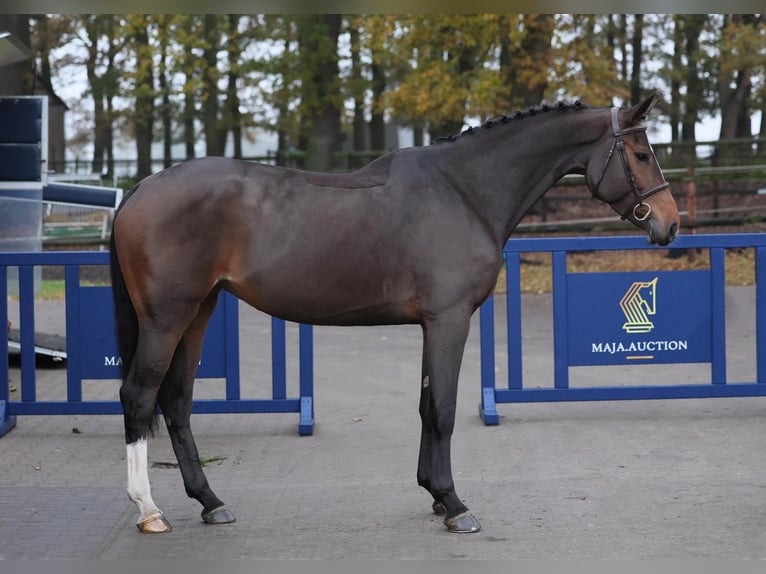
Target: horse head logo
x=637, y=304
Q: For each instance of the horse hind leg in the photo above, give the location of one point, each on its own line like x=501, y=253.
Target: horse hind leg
x=175, y=399
x=138, y=395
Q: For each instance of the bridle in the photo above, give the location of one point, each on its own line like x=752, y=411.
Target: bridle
x=640, y=196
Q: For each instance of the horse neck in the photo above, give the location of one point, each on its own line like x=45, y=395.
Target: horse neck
x=503, y=171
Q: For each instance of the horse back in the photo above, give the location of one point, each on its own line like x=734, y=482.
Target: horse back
x=357, y=248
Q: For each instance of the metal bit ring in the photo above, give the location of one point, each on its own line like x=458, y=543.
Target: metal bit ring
x=646, y=215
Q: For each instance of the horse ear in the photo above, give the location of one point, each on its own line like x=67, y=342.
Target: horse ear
x=641, y=110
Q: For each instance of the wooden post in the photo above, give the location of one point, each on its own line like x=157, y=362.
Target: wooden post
x=691, y=208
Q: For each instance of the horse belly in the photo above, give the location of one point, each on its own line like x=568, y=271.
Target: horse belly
x=328, y=288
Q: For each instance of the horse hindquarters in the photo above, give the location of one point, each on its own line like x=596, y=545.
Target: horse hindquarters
x=149, y=345
x=443, y=345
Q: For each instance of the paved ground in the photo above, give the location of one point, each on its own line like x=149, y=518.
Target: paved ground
x=646, y=479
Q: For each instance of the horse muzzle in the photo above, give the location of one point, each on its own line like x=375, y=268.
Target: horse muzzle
x=659, y=232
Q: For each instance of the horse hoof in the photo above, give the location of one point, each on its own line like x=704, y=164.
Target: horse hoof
x=220, y=515
x=465, y=522
x=155, y=525
x=439, y=508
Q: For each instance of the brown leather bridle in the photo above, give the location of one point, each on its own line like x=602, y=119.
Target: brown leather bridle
x=640, y=196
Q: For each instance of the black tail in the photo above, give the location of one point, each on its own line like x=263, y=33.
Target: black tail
x=125, y=314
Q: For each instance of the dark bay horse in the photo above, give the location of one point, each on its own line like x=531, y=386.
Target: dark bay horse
x=415, y=237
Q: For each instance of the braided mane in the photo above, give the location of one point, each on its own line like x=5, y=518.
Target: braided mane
x=506, y=119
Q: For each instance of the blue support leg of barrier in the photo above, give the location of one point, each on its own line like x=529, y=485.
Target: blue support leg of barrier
x=718, y=316
x=306, y=376
x=278, y=359
x=513, y=319
x=560, y=321
x=487, y=408
x=306, y=422
x=7, y=422
x=27, y=318
x=760, y=313
x=231, y=333
x=73, y=348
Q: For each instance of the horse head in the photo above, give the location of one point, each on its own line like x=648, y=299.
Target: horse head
x=624, y=173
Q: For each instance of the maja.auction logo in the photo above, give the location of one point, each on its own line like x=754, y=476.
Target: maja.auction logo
x=638, y=317
x=638, y=304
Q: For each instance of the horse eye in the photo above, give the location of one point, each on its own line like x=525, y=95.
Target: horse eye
x=641, y=156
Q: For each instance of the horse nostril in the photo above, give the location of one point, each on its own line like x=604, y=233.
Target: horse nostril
x=673, y=229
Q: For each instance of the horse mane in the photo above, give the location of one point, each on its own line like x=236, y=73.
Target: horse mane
x=507, y=119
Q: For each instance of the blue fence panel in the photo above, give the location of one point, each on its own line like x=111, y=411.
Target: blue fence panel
x=662, y=317
x=92, y=349
x=641, y=317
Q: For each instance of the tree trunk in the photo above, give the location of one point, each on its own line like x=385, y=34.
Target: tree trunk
x=465, y=63
x=45, y=42
x=359, y=125
x=233, y=116
x=319, y=45
x=377, y=119
x=167, y=125
x=695, y=96
x=210, y=87
x=189, y=110
x=144, y=113
x=635, y=72
x=521, y=65
x=110, y=136
x=100, y=122
x=623, y=42
x=417, y=136
x=111, y=88
x=732, y=98
x=284, y=145
x=675, y=81
x=537, y=42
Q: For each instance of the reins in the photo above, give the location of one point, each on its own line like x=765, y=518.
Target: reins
x=619, y=144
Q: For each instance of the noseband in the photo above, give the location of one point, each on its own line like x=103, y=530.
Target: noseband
x=640, y=196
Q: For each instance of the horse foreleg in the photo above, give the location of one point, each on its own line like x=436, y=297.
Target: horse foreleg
x=443, y=344
x=175, y=399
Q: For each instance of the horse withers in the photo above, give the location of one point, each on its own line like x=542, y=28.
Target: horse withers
x=415, y=237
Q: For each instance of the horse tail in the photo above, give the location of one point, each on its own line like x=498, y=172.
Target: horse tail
x=125, y=313
x=126, y=318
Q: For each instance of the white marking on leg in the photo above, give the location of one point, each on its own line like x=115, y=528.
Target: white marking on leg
x=139, y=490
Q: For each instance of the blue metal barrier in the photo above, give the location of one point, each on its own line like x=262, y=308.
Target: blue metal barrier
x=92, y=349
x=625, y=318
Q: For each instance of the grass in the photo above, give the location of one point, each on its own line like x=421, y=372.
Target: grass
x=536, y=267
x=53, y=289
x=206, y=461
